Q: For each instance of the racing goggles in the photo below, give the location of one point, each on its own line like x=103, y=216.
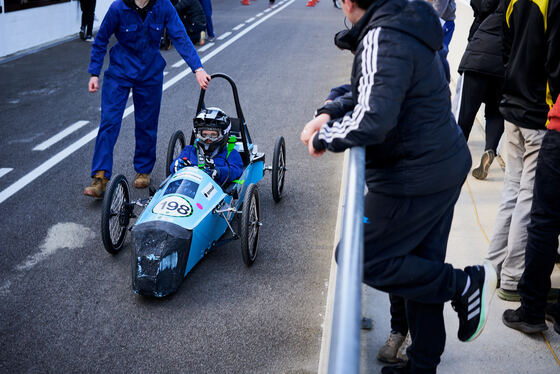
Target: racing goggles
x=210, y=134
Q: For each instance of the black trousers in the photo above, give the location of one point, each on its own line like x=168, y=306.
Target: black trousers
x=405, y=242
x=543, y=231
x=88, y=13
x=398, y=314
x=477, y=89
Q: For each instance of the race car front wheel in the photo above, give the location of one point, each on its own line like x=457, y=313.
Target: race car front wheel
x=278, y=169
x=176, y=145
x=116, y=215
x=250, y=224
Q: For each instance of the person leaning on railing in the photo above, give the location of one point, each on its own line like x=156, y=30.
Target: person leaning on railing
x=416, y=162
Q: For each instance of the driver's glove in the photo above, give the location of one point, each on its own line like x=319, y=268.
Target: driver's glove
x=181, y=163
x=212, y=172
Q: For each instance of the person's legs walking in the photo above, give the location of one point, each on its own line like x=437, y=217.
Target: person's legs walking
x=471, y=99
x=90, y=18
x=494, y=126
x=494, y=119
x=544, y=229
x=514, y=262
x=542, y=241
x=497, y=249
x=207, y=7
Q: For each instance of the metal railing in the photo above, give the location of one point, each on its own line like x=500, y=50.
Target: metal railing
x=344, y=356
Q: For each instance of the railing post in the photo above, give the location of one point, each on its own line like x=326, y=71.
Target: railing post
x=344, y=356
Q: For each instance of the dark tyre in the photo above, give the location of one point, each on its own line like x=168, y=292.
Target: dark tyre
x=115, y=216
x=278, y=169
x=337, y=4
x=176, y=145
x=250, y=224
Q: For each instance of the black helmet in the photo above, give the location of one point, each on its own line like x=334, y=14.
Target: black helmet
x=212, y=119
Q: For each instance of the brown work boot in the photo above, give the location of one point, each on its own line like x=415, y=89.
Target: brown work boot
x=98, y=185
x=141, y=180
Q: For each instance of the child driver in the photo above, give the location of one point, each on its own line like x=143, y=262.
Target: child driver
x=210, y=152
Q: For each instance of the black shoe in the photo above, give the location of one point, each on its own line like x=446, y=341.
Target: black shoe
x=472, y=307
x=517, y=320
x=395, y=369
x=83, y=33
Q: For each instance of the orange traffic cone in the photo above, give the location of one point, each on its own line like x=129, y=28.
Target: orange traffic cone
x=311, y=3
x=245, y=2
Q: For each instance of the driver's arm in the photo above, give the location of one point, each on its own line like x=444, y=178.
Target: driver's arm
x=231, y=169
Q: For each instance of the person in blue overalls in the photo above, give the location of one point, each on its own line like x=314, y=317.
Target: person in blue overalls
x=135, y=63
x=213, y=150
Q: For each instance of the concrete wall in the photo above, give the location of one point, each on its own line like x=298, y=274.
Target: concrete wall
x=31, y=28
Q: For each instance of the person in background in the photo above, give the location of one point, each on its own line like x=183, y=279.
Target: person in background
x=88, y=15
x=445, y=9
x=531, y=81
x=542, y=240
x=194, y=19
x=135, y=63
x=483, y=77
x=207, y=6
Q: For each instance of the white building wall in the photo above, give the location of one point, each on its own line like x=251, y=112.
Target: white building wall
x=31, y=28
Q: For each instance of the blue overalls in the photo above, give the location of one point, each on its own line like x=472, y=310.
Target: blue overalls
x=135, y=63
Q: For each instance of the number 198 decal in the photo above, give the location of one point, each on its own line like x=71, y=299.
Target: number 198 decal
x=174, y=206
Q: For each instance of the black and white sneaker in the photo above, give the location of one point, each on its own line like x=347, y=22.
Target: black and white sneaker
x=472, y=307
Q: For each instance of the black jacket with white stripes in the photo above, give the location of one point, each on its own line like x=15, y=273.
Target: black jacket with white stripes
x=400, y=103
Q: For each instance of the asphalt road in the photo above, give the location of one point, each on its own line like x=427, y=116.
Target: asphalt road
x=66, y=304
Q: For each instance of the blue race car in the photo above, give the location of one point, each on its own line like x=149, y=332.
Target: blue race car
x=190, y=214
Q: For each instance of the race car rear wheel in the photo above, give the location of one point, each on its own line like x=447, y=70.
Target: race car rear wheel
x=176, y=145
x=250, y=224
x=116, y=214
x=278, y=169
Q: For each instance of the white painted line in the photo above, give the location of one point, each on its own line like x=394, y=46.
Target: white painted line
x=61, y=135
x=266, y=10
x=250, y=20
x=45, y=166
x=224, y=35
x=466, y=2
x=165, y=73
x=4, y=171
x=258, y=15
x=238, y=26
x=178, y=64
x=206, y=47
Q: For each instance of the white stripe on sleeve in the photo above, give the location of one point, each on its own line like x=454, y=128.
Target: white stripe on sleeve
x=369, y=68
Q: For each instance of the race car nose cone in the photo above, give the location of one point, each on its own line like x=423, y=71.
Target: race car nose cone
x=161, y=251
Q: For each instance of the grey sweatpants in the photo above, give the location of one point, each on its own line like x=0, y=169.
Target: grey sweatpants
x=507, y=246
